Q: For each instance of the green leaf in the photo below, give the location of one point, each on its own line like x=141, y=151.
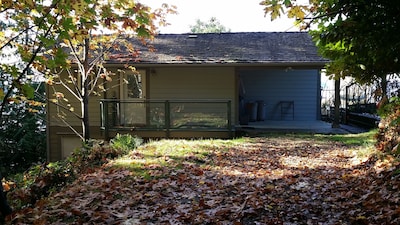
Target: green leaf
x=68, y=24
x=47, y=41
x=61, y=58
x=142, y=32
x=143, y=19
x=28, y=91
x=287, y=3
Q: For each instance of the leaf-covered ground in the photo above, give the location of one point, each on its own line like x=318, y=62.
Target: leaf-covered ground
x=274, y=180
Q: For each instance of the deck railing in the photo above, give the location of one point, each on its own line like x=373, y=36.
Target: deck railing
x=165, y=115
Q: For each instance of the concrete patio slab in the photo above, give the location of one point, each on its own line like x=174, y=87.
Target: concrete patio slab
x=316, y=126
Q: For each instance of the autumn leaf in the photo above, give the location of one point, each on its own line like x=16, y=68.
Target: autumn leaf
x=297, y=12
x=264, y=180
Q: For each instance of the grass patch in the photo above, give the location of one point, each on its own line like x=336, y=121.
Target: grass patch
x=363, y=143
x=151, y=159
x=157, y=158
x=361, y=139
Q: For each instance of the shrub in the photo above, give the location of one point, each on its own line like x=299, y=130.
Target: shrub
x=42, y=179
x=92, y=153
x=125, y=142
x=388, y=137
x=39, y=181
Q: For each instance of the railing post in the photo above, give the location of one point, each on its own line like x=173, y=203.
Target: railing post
x=167, y=118
x=106, y=122
x=101, y=117
x=118, y=113
x=229, y=115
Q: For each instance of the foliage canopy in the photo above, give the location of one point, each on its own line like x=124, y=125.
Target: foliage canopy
x=211, y=26
x=72, y=37
x=359, y=36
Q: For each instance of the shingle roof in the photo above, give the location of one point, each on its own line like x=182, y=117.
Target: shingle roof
x=227, y=48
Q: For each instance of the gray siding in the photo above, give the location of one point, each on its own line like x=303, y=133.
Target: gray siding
x=274, y=86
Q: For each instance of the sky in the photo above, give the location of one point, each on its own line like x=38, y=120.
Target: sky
x=236, y=15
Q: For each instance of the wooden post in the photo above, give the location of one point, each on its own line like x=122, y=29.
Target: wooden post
x=336, y=120
x=229, y=115
x=106, y=122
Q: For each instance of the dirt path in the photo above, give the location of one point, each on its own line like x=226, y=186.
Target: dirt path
x=267, y=181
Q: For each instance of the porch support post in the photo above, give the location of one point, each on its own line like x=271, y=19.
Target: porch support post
x=336, y=120
x=346, y=110
x=106, y=122
x=229, y=115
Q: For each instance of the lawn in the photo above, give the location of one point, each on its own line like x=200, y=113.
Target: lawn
x=276, y=179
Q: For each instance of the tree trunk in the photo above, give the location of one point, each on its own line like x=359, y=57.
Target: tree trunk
x=336, y=119
x=85, y=113
x=384, y=98
x=85, y=94
x=384, y=84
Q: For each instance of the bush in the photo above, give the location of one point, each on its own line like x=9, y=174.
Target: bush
x=126, y=142
x=92, y=153
x=388, y=137
x=41, y=180
x=96, y=152
x=38, y=182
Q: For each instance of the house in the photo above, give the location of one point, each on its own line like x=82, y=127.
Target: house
x=202, y=85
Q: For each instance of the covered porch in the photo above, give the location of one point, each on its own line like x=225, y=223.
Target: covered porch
x=194, y=119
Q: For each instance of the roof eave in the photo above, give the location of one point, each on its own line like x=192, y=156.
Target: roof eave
x=313, y=64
